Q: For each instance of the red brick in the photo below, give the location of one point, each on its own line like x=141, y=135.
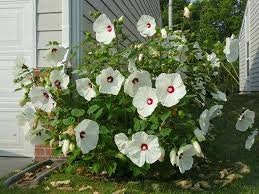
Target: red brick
x=40, y=152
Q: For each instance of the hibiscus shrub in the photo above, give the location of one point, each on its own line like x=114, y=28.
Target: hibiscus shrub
x=124, y=108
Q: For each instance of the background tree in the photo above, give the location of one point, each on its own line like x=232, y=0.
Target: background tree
x=211, y=20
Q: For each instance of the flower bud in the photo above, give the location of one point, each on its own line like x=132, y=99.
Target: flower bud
x=71, y=147
x=162, y=157
x=186, y=12
x=65, y=147
x=164, y=33
x=197, y=148
x=140, y=57
x=121, y=20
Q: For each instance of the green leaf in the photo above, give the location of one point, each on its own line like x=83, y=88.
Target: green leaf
x=165, y=132
x=92, y=109
x=77, y=112
x=165, y=116
x=111, y=168
x=69, y=121
x=98, y=114
x=96, y=168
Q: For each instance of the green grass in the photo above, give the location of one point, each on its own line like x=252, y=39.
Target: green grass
x=228, y=147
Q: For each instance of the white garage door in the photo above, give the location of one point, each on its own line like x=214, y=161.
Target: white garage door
x=16, y=39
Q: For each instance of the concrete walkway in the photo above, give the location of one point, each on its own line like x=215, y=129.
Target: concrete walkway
x=10, y=164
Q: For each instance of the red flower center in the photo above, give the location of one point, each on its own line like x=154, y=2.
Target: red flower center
x=110, y=79
x=82, y=134
x=170, y=89
x=109, y=28
x=54, y=50
x=135, y=80
x=57, y=83
x=149, y=101
x=144, y=147
x=148, y=25
x=46, y=95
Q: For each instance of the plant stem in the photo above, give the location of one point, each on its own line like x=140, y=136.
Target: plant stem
x=234, y=70
x=231, y=74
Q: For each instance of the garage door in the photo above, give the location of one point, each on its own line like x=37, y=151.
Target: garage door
x=16, y=39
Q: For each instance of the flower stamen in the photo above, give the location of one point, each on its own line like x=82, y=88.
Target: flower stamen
x=82, y=134
x=149, y=101
x=170, y=89
x=110, y=79
x=109, y=28
x=144, y=147
x=135, y=80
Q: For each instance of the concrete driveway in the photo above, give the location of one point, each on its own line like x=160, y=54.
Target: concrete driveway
x=10, y=164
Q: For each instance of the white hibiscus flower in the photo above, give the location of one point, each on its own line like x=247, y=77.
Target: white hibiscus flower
x=42, y=99
x=85, y=88
x=245, y=121
x=220, y=96
x=132, y=65
x=143, y=149
x=214, y=60
x=55, y=54
x=215, y=111
x=26, y=118
x=37, y=136
x=136, y=80
x=204, y=121
x=184, y=157
x=146, y=25
x=145, y=101
x=170, y=89
x=104, y=29
x=59, y=79
x=109, y=81
x=199, y=134
x=87, y=135
x=65, y=147
x=181, y=53
x=232, y=49
x=121, y=141
x=251, y=139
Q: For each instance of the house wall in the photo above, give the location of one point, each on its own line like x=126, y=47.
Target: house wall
x=254, y=45
x=249, y=32
x=50, y=20
x=131, y=10
x=242, y=59
x=49, y=26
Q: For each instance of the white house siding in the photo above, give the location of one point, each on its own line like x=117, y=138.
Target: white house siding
x=49, y=26
x=49, y=19
x=254, y=45
x=242, y=60
x=249, y=32
x=131, y=10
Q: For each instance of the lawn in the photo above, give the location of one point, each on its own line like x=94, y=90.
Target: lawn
x=227, y=149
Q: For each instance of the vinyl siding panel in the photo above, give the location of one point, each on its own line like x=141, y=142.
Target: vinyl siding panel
x=254, y=42
x=242, y=59
x=49, y=26
x=131, y=10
